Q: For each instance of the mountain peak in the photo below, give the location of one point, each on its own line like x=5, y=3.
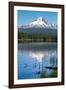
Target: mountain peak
x=40, y=18
x=40, y=22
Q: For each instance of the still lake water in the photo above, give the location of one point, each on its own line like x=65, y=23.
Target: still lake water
x=37, y=60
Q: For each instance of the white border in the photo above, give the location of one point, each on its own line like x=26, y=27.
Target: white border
x=46, y=80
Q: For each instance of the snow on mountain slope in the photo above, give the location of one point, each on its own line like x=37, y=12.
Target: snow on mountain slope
x=39, y=23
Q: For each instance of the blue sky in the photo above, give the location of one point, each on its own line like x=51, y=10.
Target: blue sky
x=25, y=16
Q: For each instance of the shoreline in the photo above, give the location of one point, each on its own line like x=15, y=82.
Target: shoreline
x=38, y=42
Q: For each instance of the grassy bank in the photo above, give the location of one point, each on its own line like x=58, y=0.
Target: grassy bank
x=51, y=75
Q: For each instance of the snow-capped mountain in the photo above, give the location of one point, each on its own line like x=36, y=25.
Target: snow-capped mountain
x=39, y=23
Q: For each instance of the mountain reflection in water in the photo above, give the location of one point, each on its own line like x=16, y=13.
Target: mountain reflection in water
x=37, y=60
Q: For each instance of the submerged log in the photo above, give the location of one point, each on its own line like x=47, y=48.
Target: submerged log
x=55, y=68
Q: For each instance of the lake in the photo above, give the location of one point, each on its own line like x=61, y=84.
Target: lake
x=37, y=60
